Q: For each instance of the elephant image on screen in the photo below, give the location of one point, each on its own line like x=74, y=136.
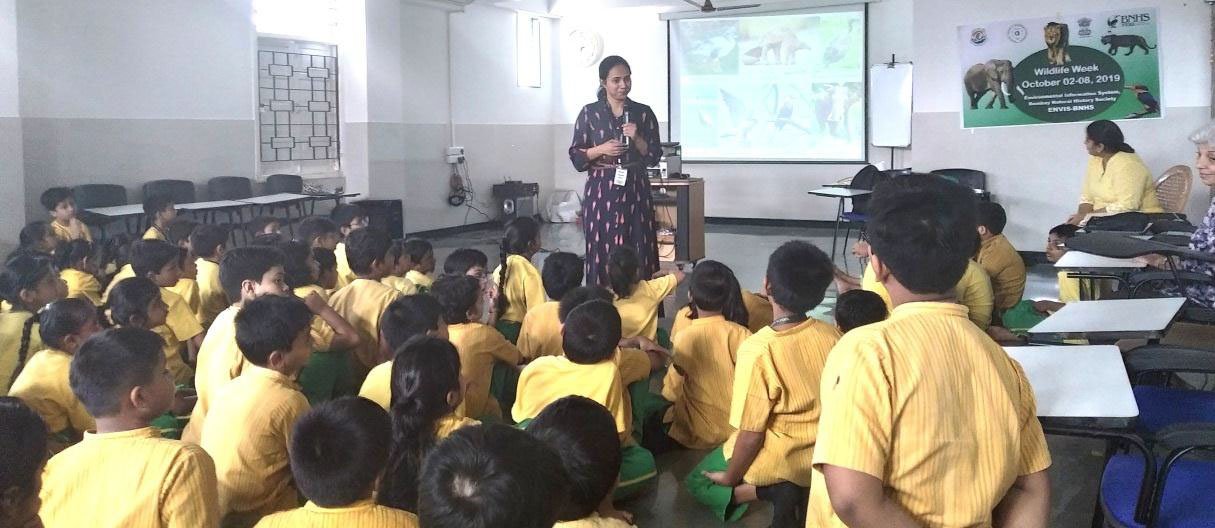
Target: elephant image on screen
x=993, y=76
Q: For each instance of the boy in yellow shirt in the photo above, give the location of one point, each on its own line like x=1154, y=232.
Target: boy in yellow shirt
x=759, y=314
x=60, y=202
x=326, y=269
x=363, y=300
x=160, y=262
x=999, y=259
x=897, y=419
x=421, y=256
x=487, y=360
x=775, y=399
x=338, y=451
x=403, y=319
x=399, y=265
x=75, y=260
x=348, y=218
x=249, y=424
x=319, y=232
x=23, y=449
x=637, y=299
x=209, y=243
x=179, y=231
x=973, y=290
x=540, y=334
x=160, y=210
x=124, y=474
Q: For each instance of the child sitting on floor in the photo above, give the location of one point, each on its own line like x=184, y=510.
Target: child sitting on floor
x=540, y=333
x=22, y=457
x=399, y=266
x=637, y=299
x=520, y=287
x=857, y=308
x=487, y=360
x=421, y=262
x=160, y=210
x=60, y=202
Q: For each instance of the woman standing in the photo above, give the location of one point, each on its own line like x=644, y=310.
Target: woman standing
x=615, y=141
x=1116, y=180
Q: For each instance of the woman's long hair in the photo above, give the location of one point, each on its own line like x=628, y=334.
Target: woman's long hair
x=605, y=67
x=1107, y=133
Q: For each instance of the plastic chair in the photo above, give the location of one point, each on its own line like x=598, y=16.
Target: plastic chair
x=181, y=191
x=284, y=183
x=229, y=188
x=975, y=179
x=1173, y=188
x=866, y=179
x=91, y=195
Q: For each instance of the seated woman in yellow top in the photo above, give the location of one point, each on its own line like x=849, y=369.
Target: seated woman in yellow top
x=1116, y=180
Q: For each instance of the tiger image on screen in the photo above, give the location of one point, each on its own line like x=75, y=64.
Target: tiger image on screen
x=1056, y=36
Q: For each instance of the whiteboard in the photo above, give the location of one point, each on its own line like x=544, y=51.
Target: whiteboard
x=890, y=105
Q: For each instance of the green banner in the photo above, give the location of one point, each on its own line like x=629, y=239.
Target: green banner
x=1083, y=67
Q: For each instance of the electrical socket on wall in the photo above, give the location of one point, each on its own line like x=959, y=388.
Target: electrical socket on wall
x=455, y=155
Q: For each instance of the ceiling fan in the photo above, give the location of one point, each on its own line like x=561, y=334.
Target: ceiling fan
x=708, y=7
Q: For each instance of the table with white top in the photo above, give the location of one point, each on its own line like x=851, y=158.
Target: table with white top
x=116, y=212
x=1080, y=260
x=1100, y=398
x=1111, y=319
x=842, y=194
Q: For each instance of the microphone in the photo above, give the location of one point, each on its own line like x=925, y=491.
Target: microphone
x=625, y=140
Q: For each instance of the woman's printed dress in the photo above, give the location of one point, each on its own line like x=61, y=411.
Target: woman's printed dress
x=615, y=215
x=1202, y=240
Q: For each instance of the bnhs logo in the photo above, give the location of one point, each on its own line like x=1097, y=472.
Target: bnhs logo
x=1116, y=21
x=978, y=36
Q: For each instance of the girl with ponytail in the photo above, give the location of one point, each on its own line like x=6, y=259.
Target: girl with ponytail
x=520, y=287
x=637, y=300
x=28, y=282
x=426, y=390
x=78, y=270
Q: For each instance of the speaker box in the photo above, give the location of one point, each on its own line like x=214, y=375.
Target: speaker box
x=385, y=214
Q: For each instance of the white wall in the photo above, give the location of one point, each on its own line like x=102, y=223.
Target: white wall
x=1036, y=172
x=12, y=173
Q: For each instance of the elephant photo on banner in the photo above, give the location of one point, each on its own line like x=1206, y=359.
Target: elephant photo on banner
x=993, y=76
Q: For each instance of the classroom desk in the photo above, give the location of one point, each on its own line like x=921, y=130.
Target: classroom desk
x=1101, y=398
x=116, y=212
x=1112, y=319
x=842, y=194
x=1080, y=260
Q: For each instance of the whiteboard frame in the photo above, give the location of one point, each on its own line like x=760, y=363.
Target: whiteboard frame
x=873, y=133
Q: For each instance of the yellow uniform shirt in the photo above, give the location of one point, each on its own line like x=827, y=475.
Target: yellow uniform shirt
x=594, y=521
x=43, y=385
x=125, y=272
x=362, y=514
x=972, y=291
x=211, y=296
x=361, y=303
x=1125, y=184
x=634, y=364
x=81, y=285
x=377, y=386
x=344, y=274
x=154, y=233
x=639, y=311
x=421, y=279
x=247, y=432
x=180, y=326
x=1004, y=265
x=759, y=314
x=551, y=378
x=480, y=345
x=73, y=231
x=130, y=479
x=189, y=292
x=452, y=423
x=401, y=284
x=700, y=402
x=929, y=404
x=776, y=392
x=523, y=289
x=540, y=334
x=11, y=326
x=322, y=333
x=219, y=361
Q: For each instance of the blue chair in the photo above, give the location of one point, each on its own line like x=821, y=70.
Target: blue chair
x=866, y=179
x=1181, y=491
x=1161, y=407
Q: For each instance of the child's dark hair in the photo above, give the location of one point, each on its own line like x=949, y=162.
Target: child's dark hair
x=580, y=296
x=517, y=240
x=464, y=259
x=115, y=250
x=922, y=228
x=591, y=332
x=156, y=203
x=267, y=239
x=33, y=234
x=259, y=224
x=22, y=447
x=51, y=198
x=338, y=449
x=23, y=272
x=396, y=251
x=992, y=216
x=72, y=252
x=206, y=239
x=562, y=272
x=425, y=370
x=179, y=230
x=150, y=256
x=490, y=476
x=1065, y=231
x=295, y=263
x=326, y=260
x=409, y=316
x=63, y=318
x=583, y=433
x=714, y=288
x=857, y=308
x=247, y=263
x=365, y=246
x=344, y=214
x=315, y=227
x=129, y=299
x=623, y=271
x=798, y=275
x=457, y=294
x=108, y=365
x=417, y=248
x=268, y=324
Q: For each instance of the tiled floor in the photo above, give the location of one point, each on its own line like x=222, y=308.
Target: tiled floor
x=1074, y=474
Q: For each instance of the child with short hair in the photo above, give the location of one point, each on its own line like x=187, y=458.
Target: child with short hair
x=491, y=475
x=422, y=262
x=857, y=308
x=125, y=474
x=22, y=457
x=540, y=333
x=404, y=319
x=27, y=283
x=60, y=202
x=871, y=468
x=347, y=218
x=319, y=232
x=249, y=423
x=75, y=260
x=426, y=390
x=774, y=401
x=759, y=313
x=38, y=237
x=999, y=259
x=43, y=384
x=1028, y=313
x=329, y=362
x=582, y=433
x=160, y=210
x=399, y=266
x=209, y=243
x=466, y=261
x=363, y=300
x=265, y=225
x=160, y=261
x=638, y=299
x=338, y=451
x=973, y=290
x=326, y=269
x=137, y=303
x=488, y=361
x=520, y=287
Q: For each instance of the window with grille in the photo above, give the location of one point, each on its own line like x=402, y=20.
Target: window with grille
x=298, y=115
